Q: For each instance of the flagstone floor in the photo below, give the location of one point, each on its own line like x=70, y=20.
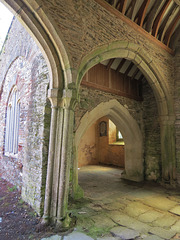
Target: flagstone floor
x=116, y=209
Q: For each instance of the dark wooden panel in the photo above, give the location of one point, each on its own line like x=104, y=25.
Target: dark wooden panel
x=109, y=80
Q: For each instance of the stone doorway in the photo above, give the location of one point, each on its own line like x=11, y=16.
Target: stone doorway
x=133, y=148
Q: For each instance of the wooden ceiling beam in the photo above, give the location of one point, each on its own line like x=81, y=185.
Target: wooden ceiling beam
x=129, y=69
x=175, y=38
x=159, y=17
x=111, y=2
x=121, y=6
x=115, y=2
x=142, y=12
x=167, y=21
x=130, y=10
x=120, y=65
x=149, y=19
x=171, y=28
x=133, y=25
x=135, y=73
x=110, y=63
x=141, y=77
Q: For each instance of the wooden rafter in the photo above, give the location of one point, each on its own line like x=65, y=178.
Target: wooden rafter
x=110, y=63
x=129, y=12
x=118, y=5
x=171, y=28
x=115, y=2
x=129, y=68
x=142, y=12
x=167, y=21
x=111, y=2
x=149, y=19
x=141, y=77
x=120, y=65
x=121, y=6
x=159, y=17
x=135, y=73
x=175, y=37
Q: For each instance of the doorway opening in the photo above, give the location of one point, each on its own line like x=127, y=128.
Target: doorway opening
x=101, y=158
x=102, y=144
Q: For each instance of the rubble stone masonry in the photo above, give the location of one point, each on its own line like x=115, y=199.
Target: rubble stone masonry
x=23, y=65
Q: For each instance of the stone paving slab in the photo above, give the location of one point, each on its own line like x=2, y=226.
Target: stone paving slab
x=165, y=221
x=150, y=216
x=163, y=233
x=176, y=237
x=140, y=194
x=175, y=210
x=113, y=206
x=96, y=207
x=139, y=226
x=103, y=221
x=152, y=237
x=160, y=202
x=120, y=218
x=55, y=237
x=124, y=233
x=176, y=227
x=107, y=238
x=135, y=209
x=77, y=236
x=129, y=222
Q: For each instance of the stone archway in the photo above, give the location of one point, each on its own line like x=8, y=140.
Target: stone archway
x=42, y=29
x=164, y=99
x=134, y=169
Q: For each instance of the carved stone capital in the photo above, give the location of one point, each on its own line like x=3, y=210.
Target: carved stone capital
x=69, y=99
x=54, y=97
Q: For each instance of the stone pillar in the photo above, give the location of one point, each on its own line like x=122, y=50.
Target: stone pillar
x=66, y=154
x=53, y=96
x=168, y=149
x=57, y=187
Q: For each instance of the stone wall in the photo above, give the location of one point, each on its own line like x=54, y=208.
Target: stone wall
x=90, y=98
x=87, y=149
x=90, y=26
x=22, y=64
x=152, y=147
x=36, y=145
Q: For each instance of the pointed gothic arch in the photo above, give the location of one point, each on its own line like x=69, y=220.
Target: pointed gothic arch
x=161, y=90
x=134, y=163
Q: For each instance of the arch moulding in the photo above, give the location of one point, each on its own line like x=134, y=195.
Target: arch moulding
x=134, y=53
